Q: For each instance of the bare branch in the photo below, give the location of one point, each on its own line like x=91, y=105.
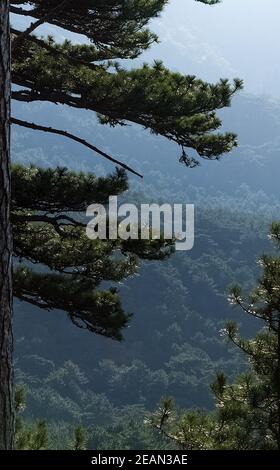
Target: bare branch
x=52, y=130
x=56, y=222
x=49, y=220
x=26, y=297
x=20, y=11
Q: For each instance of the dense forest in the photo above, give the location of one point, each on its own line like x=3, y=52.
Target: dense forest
x=172, y=346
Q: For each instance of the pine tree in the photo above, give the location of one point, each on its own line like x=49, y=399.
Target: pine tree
x=248, y=410
x=181, y=108
x=32, y=436
x=48, y=228
x=80, y=439
x=250, y=407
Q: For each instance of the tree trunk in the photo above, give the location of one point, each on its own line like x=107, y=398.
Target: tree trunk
x=6, y=335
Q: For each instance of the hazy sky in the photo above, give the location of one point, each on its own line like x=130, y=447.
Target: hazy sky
x=235, y=38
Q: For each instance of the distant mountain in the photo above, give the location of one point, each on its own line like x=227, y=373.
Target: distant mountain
x=235, y=38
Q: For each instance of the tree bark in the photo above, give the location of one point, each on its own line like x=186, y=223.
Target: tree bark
x=6, y=334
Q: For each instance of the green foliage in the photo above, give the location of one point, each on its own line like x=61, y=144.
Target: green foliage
x=80, y=439
x=36, y=435
x=58, y=190
x=49, y=229
x=116, y=28
x=32, y=437
x=29, y=436
x=248, y=410
x=98, y=311
x=181, y=108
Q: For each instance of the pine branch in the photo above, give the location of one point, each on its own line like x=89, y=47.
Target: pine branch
x=20, y=11
x=52, y=130
x=53, y=50
x=97, y=311
x=38, y=23
x=49, y=220
x=58, y=190
x=255, y=314
x=56, y=222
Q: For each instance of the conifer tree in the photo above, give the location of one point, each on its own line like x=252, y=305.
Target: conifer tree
x=49, y=229
x=80, y=439
x=87, y=76
x=248, y=410
x=46, y=204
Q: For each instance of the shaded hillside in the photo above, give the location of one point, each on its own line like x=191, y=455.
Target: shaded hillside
x=172, y=346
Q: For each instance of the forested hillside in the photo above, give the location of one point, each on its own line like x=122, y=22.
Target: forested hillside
x=172, y=345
